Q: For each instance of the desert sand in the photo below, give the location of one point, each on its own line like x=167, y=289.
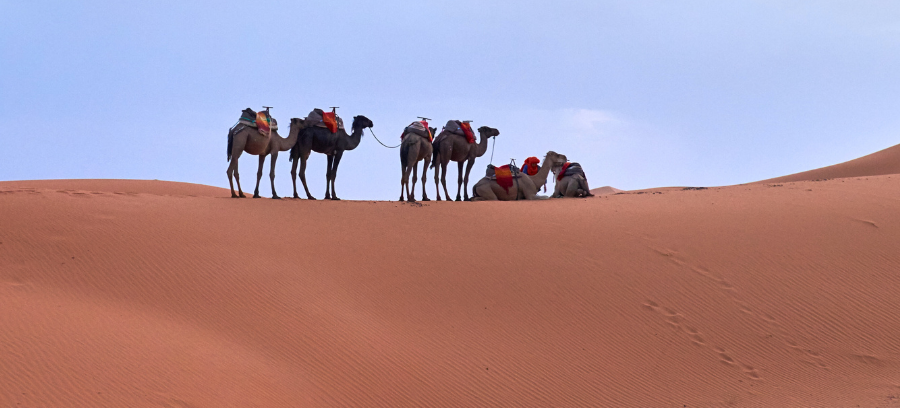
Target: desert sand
x=158, y=294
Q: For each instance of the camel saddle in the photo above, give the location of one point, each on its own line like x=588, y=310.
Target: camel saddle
x=460, y=128
x=571, y=169
x=322, y=119
x=419, y=128
x=248, y=118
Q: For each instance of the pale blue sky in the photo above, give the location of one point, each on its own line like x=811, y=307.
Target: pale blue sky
x=643, y=94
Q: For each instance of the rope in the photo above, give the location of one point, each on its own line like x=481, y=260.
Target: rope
x=379, y=141
x=493, y=145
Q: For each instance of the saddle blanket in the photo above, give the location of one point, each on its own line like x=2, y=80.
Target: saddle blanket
x=328, y=120
x=504, y=177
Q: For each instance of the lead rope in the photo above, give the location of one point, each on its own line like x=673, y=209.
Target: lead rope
x=493, y=145
x=379, y=141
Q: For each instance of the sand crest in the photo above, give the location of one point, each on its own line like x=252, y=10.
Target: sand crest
x=138, y=293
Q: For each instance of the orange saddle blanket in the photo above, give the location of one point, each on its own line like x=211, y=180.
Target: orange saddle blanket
x=504, y=177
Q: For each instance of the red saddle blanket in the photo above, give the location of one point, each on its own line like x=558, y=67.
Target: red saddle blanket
x=330, y=120
x=504, y=177
x=262, y=123
x=470, y=135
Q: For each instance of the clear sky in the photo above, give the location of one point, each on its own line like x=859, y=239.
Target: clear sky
x=641, y=93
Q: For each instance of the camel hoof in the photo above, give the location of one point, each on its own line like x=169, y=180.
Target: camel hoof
x=275, y=197
x=401, y=199
x=256, y=196
x=310, y=198
x=242, y=196
x=458, y=199
x=426, y=199
x=411, y=199
x=296, y=196
x=439, y=198
x=335, y=198
x=233, y=195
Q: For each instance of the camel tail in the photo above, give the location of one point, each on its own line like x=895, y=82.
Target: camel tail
x=295, y=149
x=404, y=155
x=230, y=142
x=434, y=154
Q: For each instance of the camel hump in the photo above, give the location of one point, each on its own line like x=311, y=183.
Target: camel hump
x=318, y=118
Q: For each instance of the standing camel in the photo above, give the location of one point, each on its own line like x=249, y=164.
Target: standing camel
x=413, y=149
x=333, y=145
x=524, y=187
x=451, y=146
x=243, y=138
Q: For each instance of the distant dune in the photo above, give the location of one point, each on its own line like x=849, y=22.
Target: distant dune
x=156, y=294
x=883, y=162
x=605, y=190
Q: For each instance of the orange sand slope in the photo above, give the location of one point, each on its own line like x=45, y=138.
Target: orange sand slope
x=883, y=162
x=747, y=296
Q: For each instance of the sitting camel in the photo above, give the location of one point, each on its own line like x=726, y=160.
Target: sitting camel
x=524, y=187
x=243, y=138
x=321, y=140
x=413, y=149
x=451, y=146
x=570, y=181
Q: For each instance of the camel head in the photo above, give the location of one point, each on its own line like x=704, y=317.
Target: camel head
x=486, y=131
x=299, y=122
x=362, y=122
x=555, y=160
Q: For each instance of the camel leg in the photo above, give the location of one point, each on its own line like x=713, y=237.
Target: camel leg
x=230, y=172
x=272, y=175
x=483, y=192
x=427, y=162
x=337, y=161
x=402, y=180
x=304, y=156
x=236, y=150
x=444, y=178
x=328, y=178
x=262, y=161
x=437, y=181
x=459, y=181
x=411, y=194
x=294, y=176
x=469, y=165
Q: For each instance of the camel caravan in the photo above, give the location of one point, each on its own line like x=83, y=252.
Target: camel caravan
x=256, y=133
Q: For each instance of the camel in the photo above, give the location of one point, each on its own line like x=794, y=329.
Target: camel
x=248, y=139
x=333, y=145
x=524, y=187
x=450, y=146
x=413, y=149
x=573, y=185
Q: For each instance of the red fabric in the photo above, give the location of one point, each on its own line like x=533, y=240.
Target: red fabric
x=330, y=121
x=562, y=171
x=427, y=129
x=504, y=177
x=531, y=166
x=467, y=129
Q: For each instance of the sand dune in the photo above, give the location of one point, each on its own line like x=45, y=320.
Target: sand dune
x=135, y=293
x=883, y=162
x=605, y=190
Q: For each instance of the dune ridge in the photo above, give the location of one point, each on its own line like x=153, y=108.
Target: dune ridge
x=138, y=293
x=880, y=163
